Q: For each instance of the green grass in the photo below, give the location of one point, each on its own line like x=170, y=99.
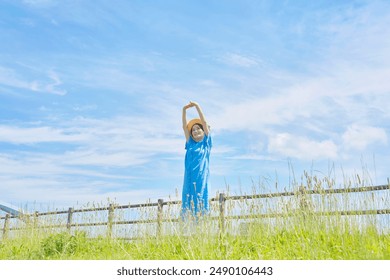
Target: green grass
x=307, y=240
x=296, y=234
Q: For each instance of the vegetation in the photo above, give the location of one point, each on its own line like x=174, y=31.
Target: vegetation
x=260, y=243
x=296, y=232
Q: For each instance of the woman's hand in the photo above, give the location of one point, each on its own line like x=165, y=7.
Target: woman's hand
x=193, y=104
x=189, y=105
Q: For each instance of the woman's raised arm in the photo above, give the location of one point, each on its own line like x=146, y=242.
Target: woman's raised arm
x=184, y=119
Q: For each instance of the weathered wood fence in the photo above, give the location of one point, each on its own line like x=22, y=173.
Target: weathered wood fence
x=220, y=214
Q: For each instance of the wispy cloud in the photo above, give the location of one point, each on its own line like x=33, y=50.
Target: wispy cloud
x=300, y=147
x=239, y=60
x=359, y=137
x=48, y=83
x=95, y=153
x=31, y=135
x=52, y=86
x=8, y=77
x=62, y=192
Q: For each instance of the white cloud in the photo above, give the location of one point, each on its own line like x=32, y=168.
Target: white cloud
x=53, y=86
x=63, y=192
x=288, y=145
x=118, y=142
x=359, y=137
x=346, y=80
x=37, y=165
x=29, y=135
x=104, y=155
x=253, y=156
x=279, y=108
x=239, y=60
x=10, y=77
x=324, y=97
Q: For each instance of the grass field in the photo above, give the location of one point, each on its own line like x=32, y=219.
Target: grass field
x=301, y=235
x=260, y=242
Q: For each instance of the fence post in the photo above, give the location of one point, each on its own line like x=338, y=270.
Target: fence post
x=70, y=216
x=110, y=222
x=6, y=226
x=222, y=200
x=35, y=221
x=159, y=216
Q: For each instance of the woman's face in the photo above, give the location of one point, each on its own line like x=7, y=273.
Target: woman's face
x=197, y=133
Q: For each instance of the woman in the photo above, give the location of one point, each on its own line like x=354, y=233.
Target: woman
x=196, y=173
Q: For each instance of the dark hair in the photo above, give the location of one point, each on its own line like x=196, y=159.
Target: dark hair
x=201, y=126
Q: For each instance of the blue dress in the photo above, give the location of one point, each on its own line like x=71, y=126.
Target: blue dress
x=196, y=174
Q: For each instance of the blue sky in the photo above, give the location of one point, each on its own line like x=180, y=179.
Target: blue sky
x=91, y=94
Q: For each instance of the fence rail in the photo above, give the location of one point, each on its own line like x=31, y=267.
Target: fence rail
x=221, y=216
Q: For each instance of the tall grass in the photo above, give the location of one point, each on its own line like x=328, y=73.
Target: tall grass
x=292, y=229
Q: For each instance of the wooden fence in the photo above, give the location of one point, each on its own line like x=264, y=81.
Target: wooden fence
x=220, y=214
